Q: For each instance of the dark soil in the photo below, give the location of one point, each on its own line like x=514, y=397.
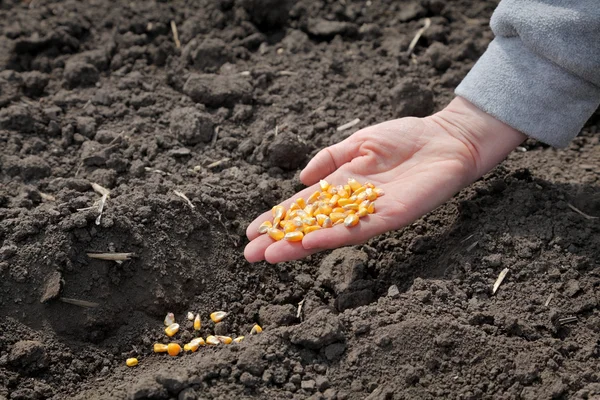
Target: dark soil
x=97, y=91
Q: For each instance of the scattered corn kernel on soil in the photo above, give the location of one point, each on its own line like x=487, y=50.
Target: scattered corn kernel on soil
x=97, y=91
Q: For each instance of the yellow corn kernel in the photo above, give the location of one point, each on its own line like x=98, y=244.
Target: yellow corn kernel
x=353, y=183
x=371, y=208
x=338, y=222
x=302, y=214
x=297, y=222
x=291, y=214
x=197, y=323
x=359, y=190
x=289, y=227
x=169, y=319
x=212, y=340
x=294, y=236
x=186, y=347
x=238, y=339
x=351, y=207
x=295, y=206
x=172, y=329
x=264, y=227
x=344, y=202
x=197, y=342
x=361, y=197
x=324, y=185
x=173, y=349
x=160, y=348
x=224, y=339
x=371, y=195
x=325, y=196
x=309, y=221
x=218, y=316
x=313, y=197
x=342, y=192
x=324, y=209
x=362, y=212
x=194, y=344
x=369, y=185
x=334, y=199
x=337, y=216
x=348, y=190
x=327, y=223
x=338, y=210
x=311, y=228
x=278, y=211
x=311, y=209
x=332, y=190
x=379, y=192
x=255, y=329
x=351, y=220
x=131, y=362
x=321, y=218
x=190, y=316
x=275, y=234
x=300, y=201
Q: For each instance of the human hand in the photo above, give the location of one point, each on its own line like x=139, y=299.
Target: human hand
x=420, y=163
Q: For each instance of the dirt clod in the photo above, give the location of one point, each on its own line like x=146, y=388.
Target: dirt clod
x=409, y=98
x=217, y=90
x=318, y=330
x=28, y=355
x=191, y=126
x=286, y=152
x=79, y=73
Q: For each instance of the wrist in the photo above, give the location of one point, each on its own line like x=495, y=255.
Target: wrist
x=488, y=139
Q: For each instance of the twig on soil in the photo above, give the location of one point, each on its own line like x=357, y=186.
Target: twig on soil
x=418, y=35
x=111, y=256
x=245, y=73
x=47, y=197
x=472, y=246
x=567, y=320
x=578, y=211
x=467, y=238
x=276, y=130
x=499, y=280
x=156, y=171
x=184, y=197
x=218, y=163
x=175, y=34
x=80, y=303
x=215, y=136
x=104, y=192
x=299, y=312
x=287, y=73
x=548, y=300
x=348, y=125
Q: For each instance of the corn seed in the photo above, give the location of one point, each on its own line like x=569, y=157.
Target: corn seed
x=275, y=234
x=169, y=319
x=294, y=236
x=190, y=316
x=172, y=329
x=224, y=339
x=218, y=316
x=131, y=362
x=197, y=323
x=238, y=339
x=313, y=197
x=336, y=216
x=351, y=220
x=300, y=201
x=212, y=340
x=264, y=227
x=160, y=348
x=327, y=223
x=255, y=329
x=353, y=183
x=324, y=185
x=198, y=341
x=173, y=349
x=312, y=228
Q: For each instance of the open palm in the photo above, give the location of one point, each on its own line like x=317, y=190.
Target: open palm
x=419, y=163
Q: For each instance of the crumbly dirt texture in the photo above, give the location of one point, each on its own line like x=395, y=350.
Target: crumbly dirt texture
x=98, y=91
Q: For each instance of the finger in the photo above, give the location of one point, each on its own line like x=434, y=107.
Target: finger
x=328, y=160
x=255, y=250
x=252, y=230
x=287, y=251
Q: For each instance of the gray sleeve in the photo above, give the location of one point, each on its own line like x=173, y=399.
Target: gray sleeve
x=541, y=73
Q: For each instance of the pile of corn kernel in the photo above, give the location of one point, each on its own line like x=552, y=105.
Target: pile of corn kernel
x=174, y=349
x=330, y=206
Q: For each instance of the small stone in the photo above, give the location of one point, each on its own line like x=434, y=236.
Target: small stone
x=330, y=394
x=309, y=385
x=29, y=356
x=217, y=90
x=393, y=291
x=187, y=394
x=286, y=152
x=191, y=126
x=322, y=383
x=173, y=381
x=79, y=73
x=317, y=331
x=334, y=351
x=328, y=29
x=572, y=288
x=86, y=126
x=34, y=83
x=422, y=295
x=249, y=380
x=93, y=153
x=52, y=288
